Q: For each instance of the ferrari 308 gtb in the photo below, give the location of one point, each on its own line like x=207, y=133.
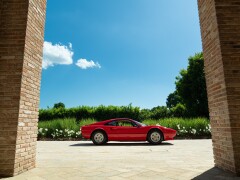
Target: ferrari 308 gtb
x=123, y=129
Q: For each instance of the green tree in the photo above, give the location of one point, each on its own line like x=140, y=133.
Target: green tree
x=173, y=99
x=145, y=114
x=179, y=110
x=159, y=112
x=191, y=87
x=59, y=105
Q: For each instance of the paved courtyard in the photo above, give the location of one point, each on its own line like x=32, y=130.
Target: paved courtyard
x=173, y=160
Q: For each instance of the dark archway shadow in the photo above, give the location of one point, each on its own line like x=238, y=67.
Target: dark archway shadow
x=123, y=144
x=216, y=174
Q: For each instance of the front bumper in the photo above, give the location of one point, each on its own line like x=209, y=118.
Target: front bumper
x=169, y=134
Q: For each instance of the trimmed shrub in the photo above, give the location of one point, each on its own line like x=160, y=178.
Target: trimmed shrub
x=84, y=112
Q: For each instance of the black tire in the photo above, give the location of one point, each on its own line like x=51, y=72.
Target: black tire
x=155, y=137
x=99, y=138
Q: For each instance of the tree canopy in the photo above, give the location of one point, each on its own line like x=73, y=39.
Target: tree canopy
x=191, y=88
x=173, y=99
x=58, y=105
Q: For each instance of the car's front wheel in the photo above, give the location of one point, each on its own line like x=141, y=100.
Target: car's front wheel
x=99, y=137
x=155, y=137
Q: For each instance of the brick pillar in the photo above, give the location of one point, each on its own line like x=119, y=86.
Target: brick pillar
x=21, y=41
x=220, y=29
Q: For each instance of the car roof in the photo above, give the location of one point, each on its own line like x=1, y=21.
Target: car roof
x=115, y=119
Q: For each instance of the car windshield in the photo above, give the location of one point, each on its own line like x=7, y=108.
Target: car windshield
x=139, y=123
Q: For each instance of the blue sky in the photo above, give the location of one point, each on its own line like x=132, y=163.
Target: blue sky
x=127, y=51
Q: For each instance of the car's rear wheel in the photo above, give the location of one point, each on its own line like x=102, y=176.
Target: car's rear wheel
x=155, y=137
x=99, y=137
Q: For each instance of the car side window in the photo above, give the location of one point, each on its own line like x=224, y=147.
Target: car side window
x=112, y=123
x=127, y=124
x=134, y=124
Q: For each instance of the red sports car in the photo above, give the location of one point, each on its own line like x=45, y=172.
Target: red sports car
x=124, y=129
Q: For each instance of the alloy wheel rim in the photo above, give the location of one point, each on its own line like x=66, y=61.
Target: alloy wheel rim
x=155, y=137
x=98, y=137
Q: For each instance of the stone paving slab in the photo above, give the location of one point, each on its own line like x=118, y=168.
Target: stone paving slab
x=172, y=160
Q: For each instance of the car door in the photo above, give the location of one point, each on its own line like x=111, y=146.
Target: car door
x=127, y=130
x=112, y=130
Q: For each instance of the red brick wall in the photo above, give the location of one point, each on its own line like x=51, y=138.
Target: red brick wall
x=21, y=41
x=220, y=28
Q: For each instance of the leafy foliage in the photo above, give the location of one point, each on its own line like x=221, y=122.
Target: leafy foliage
x=145, y=114
x=179, y=110
x=59, y=105
x=84, y=112
x=59, y=128
x=173, y=99
x=159, y=112
x=191, y=89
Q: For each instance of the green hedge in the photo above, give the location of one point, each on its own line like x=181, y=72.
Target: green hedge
x=84, y=112
x=107, y=112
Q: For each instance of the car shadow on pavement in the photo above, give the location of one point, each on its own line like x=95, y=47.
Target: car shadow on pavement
x=124, y=144
x=216, y=174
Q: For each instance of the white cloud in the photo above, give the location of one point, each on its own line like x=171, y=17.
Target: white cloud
x=70, y=45
x=84, y=64
x=56, y=54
